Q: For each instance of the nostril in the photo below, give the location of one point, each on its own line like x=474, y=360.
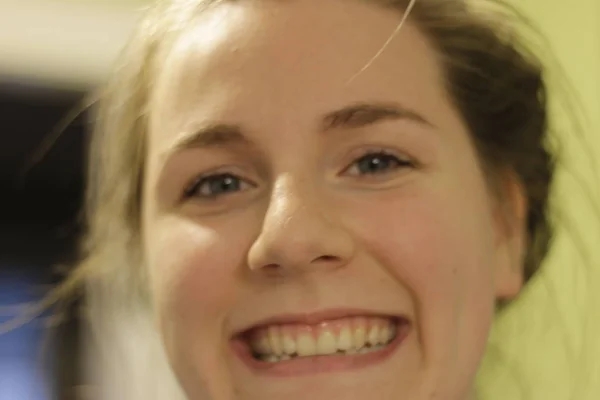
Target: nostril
x=326, y=258
x=270, y=270
x=271, y=267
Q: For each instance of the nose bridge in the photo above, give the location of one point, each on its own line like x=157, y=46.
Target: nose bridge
x=296, y=212
x=298, y=229
x=290, y=198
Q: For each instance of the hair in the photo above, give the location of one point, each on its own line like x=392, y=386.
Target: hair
x=496, y=85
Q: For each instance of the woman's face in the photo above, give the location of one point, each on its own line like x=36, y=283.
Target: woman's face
x=312, y=232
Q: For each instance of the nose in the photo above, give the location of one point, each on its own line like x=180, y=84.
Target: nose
x=299, y=233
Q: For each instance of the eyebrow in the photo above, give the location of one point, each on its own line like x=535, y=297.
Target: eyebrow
x=212, y=136
x=350, y=117
x=363, y=114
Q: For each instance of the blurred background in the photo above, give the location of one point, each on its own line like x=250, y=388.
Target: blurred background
x=51, y=54
x=54, y=52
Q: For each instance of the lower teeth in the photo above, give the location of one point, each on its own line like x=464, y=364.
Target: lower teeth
x=363, y=350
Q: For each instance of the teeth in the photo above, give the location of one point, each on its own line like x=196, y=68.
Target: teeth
x=275, y=341
x=352, y=336
x=306, y=345
x=262, y=345
x=345, y=339
x=289, y=344
x=386, y=334
x=373, y=336
x=271, y=359
x=326, y=344
x=360, y=333
x=383, y=335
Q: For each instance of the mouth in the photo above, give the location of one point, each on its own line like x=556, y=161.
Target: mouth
x=300, y=347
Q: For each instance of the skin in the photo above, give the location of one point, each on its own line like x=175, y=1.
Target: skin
x=307, y=230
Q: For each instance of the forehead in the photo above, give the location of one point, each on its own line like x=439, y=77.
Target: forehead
x=251, y=59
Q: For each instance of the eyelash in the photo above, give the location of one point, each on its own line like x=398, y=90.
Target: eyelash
x=383, y=156
x=225, y=179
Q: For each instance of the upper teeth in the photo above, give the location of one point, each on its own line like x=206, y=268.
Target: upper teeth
x=347, y=335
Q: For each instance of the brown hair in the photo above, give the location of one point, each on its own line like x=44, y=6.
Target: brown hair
x=495, y=84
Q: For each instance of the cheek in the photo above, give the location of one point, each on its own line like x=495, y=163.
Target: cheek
x=192, y=267
x=195, y=277
x=438, y=245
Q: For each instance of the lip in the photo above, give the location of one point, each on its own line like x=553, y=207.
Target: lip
x=318, y=364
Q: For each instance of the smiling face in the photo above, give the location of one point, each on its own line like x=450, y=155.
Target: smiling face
x=309, y=235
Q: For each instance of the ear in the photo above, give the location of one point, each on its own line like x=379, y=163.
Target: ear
x=511, y=238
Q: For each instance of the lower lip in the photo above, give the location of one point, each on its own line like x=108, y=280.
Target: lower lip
x=320, y=364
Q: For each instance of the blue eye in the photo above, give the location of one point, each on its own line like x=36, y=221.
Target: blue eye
x=213, y=186
x=377, y=163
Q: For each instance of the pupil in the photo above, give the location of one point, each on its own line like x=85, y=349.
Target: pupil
x=225, y=184
x=374, y=164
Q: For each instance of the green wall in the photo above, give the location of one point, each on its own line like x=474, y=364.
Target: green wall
x=547, y=346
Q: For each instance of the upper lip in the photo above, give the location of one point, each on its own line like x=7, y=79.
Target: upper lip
x=315, y=318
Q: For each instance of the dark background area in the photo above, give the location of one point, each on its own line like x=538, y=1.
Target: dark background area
x=39, y=226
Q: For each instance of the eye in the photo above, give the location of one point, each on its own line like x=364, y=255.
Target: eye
x=379, y=162
x=217, y=185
